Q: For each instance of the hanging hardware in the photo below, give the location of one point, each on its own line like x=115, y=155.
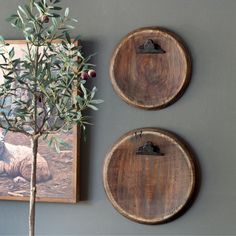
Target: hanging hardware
x=151, y=47
x=149, y=149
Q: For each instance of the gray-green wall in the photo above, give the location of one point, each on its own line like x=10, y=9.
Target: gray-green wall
x=205, y=116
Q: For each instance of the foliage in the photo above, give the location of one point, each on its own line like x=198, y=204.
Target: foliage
x=39, y=94
x=44, y=91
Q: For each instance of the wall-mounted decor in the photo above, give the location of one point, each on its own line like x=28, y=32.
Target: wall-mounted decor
x=57, y=173
x=149, y=175
x=57, y=170
x=43, y=93
x=150, y=68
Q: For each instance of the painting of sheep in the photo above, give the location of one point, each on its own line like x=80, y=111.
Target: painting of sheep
x=15, y=162
x=56, y=174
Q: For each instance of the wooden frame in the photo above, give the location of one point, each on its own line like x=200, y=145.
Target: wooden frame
x=148, y=80
x=71, y=183
x=150, y=188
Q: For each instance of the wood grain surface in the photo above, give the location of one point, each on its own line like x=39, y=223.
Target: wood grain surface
x=145, y=188
x=147, y=80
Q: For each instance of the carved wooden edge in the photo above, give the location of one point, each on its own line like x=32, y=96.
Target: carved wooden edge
x=192, y=163
x=76, y=159
x=184, y=50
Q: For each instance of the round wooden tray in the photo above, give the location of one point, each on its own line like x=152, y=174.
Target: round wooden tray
x=150, y=68
x=149, y=175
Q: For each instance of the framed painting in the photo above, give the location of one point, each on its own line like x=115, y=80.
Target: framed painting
x=60, y=182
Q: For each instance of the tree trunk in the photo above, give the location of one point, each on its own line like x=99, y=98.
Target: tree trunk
x=34, y=143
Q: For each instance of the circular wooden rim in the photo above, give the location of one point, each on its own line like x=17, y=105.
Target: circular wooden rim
x=189, y=159
x=186, y=56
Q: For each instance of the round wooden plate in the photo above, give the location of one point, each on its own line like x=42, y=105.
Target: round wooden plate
x=150, y=68
x=149, y=185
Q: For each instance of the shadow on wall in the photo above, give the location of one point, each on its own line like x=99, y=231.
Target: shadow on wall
x=89, y=48
x=85, y=159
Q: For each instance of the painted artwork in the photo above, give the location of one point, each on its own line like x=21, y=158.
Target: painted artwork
x=56, y=171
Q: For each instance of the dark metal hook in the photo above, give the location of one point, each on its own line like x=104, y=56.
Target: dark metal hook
x=150, y=46
x=138, y=135
x=149, y=149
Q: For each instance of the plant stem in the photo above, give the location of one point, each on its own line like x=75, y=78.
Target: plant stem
x=34, y=143
x=31, y=2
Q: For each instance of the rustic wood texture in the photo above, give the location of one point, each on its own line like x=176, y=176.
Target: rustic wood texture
x=150, y=81
x=149, y=189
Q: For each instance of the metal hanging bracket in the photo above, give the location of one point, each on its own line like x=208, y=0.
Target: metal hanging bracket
x=150, y=47
x=149, y=149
